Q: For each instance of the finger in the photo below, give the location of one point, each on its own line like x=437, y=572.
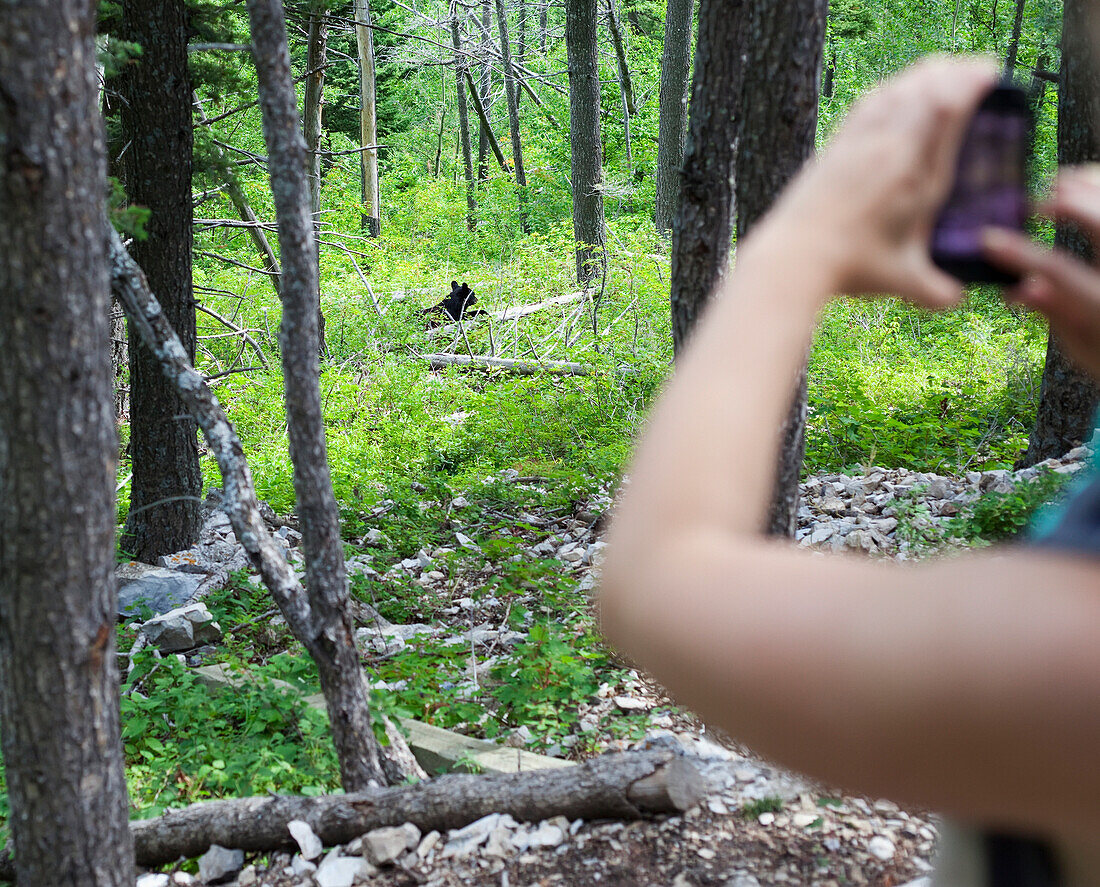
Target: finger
x=1013, y=251
x=1075, y=199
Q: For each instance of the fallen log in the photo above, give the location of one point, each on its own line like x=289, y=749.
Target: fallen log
x=617, y=786
x=521, y=367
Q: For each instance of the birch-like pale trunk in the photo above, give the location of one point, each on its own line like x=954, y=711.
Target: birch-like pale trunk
x=368, y=120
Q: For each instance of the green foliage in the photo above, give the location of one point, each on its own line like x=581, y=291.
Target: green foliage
x=547, y=676
x=184, y=742
x=768, y=804
x=998, y=516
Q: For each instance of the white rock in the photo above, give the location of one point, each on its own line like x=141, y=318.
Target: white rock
x=766, y=818
x=305, y=838
x=299, y=866
x=881, y=848
x=247, y=877
x=801, y=820
x=341, y=871
x=462, y=842
x=460, y=502
x=742, y=879
x=183, y=879
x=220, y=862
x=427, y=844
x=384, y=845
x=154, y=879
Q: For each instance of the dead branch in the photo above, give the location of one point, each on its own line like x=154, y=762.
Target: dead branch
x=475, y=97
x=240, y=331
x=520, y=367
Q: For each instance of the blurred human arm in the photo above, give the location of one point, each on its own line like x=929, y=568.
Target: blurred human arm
x=972, y=685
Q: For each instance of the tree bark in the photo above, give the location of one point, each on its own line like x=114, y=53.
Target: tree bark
x=316, y=52
x=672, y=112
x=486, y=130
x=1068, y=396
x=464, y=123
x=703, y=227
x=337, y=659
x=59, y=724
x=368, y=120
x=513, y=115
x=239, y=494
x=618, y=786
x=484, y=95
x=166, y=489
x=779, y=99
x=240, y=202
x=1014, y=39
x=586, y=152
x=543, y=24
x=625, y=83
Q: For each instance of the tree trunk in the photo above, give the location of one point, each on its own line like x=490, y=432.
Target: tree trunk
x=166, y=489
x=672, y=123
x=779, y=102
x=486, y=131
x=617, y=41
x=338, y=661
x=521, y=38
x=240, y=202
x=1068, y=398
x=1014, y=40
x=58, y=453
x=368, y=120
x=484, y=95
x=510, y=90
x=703, y=227
x=543, y=24
x=464, y=124
x=586, y=152
x=316, y=52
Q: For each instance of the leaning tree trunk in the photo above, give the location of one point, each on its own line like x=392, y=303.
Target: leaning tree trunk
x=464, y=122
x=368, y=120
x=672, y=110
x=1068, y=398
x=586, y=154
x=58, y=452
x=166, y=489
x=779, y=101
x=510, y=90
x=703, y=225
x=338, y=663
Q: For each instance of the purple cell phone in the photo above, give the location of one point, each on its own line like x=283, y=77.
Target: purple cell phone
x=990, y=187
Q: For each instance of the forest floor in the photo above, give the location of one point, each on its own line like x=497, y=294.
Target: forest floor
x=756, y=825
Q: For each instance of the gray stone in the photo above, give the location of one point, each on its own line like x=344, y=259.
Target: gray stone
x=341, y=871
x=182, y=628
x=154, y=879
x=220, y=864
x=300, y=866
x=384, y=845
x=305, y=838
x=157, y=589
x=742, y=879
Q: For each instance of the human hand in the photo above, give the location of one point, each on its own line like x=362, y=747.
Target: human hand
x=868, y=204
x=1062, y=286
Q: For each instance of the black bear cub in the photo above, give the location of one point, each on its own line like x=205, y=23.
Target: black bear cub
x=457, y=305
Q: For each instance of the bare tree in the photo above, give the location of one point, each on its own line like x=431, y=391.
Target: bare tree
x=464, y=121
x=316, y=52
x=672, y=110
x=779, y=103
x=155, y=114
x=510, y=90
x=337, y=659
x=1014, y=39
x=586, y=152
x=703, y=228
x=368, y=119
x=1068, y=398
x=59, y=721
